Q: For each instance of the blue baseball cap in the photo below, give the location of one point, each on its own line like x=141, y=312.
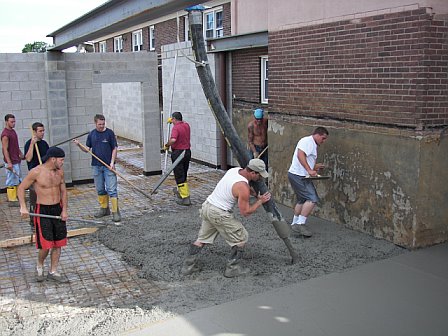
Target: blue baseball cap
x=258, y=113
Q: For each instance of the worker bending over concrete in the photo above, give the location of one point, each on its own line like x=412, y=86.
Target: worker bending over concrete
x=218, y=218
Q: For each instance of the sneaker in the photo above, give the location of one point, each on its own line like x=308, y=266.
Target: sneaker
x=57, y=277
x=302, y=230
x=40, y=274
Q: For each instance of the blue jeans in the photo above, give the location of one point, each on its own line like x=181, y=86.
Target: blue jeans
x=11, y=178
x=105, y=181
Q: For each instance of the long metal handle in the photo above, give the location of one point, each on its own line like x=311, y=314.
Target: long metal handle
x=114, y=171
x=70, y=218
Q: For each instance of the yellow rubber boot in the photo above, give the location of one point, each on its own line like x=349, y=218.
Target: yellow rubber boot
x=104, y=206
x=184, y=193
x=11, y=194
x=115, y=211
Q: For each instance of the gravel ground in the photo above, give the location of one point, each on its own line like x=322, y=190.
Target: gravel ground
x=158, y=244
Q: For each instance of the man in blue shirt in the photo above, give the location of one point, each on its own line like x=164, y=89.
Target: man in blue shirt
x=102, y=142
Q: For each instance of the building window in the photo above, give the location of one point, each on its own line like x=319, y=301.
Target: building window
x=118, y=44
x=264, y=79
x=152, y=38
x=213, y=23
x=137, y=40
x=187, y=29
x=102, y=47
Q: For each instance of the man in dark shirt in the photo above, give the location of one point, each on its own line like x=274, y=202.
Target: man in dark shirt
x=34, y=155
x=180, y=141
x=103, y=144
x=35, y=149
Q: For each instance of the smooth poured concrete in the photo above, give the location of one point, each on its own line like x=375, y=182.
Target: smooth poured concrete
x=403, y=295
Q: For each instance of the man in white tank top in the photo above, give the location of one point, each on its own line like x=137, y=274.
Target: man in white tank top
x=217, y=216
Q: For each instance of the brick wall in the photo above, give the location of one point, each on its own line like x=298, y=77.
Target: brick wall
x=246, y=75
x=227, y=19
x=385, y=69
x=166, y=33
x=127, y=42
x=145, y=36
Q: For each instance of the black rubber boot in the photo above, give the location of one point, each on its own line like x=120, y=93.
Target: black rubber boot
x=176, y=192
x=191, y=264
x=102, y=212
x=184, y=201
x=233, y=265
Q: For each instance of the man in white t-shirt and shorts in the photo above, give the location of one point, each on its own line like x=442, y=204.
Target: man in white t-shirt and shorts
x=302, y=167
x=218, y=218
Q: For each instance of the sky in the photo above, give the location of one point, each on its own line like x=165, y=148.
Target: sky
x=27, y=21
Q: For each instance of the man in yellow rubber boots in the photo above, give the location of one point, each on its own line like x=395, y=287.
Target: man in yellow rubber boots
x=180, y=141
x=103, y=143
x=12, y=156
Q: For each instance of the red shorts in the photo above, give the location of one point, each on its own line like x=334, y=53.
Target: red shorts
x=49, y=232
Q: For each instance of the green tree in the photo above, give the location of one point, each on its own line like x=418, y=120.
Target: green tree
x=38, y=47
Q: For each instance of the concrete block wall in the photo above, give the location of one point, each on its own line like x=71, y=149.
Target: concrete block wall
x=58, y=117
x=64, y=91
x=23, y=93
x=122, y=106
x=188, y=98
x=89, y=76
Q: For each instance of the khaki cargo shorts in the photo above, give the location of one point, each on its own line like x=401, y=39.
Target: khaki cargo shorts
x=216, y=221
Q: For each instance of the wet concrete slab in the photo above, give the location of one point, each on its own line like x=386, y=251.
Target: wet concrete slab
x=98, y=276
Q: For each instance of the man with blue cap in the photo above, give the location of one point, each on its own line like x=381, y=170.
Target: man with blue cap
x=257, y=134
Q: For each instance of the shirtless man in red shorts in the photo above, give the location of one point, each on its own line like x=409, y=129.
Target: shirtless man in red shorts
x=51, y=234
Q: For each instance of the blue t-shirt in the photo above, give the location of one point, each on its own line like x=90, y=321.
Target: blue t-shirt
x=42, y=145
x=102, y=145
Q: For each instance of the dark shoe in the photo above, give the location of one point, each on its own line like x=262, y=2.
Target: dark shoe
x=184, y=201
x=40, y=274
x=191, y=265
x=57, y=277
x=116, y=217
x=234, y=269
x=302, y=230
x=102, y=212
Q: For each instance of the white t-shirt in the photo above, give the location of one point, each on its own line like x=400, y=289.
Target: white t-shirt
x=222, y=196
x=309, y=147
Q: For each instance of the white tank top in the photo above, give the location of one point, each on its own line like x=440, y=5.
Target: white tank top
x=222, y=196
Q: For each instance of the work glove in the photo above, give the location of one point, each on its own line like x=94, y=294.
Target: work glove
x=170, y=120
x=166, y=147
